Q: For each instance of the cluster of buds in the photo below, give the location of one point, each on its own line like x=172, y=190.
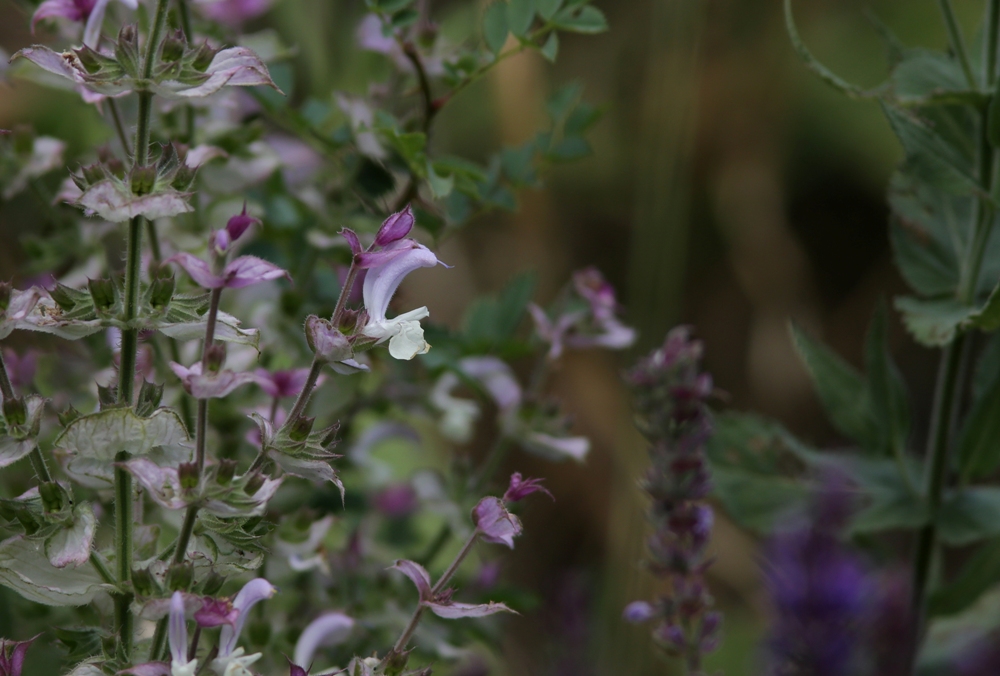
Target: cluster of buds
x=671, y=396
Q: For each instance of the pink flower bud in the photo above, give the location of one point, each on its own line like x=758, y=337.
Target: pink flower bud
x=239, y=223
x=494, y=523
x=395, y=228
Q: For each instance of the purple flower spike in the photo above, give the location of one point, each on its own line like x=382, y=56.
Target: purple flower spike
x=521, y=488
x=395, y=228
x=12, y=656
x=396, y=500
x=494, y=523
x=215, y=613
x=238, y=224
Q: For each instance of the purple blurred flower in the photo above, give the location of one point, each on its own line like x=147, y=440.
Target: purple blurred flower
x=521, y=488
x=821, y=593
x=281, y=383
x=238, y=273
x=20, y=369
x=90, y=11
x=234, y=12
x=211, y=385
x=12, y=656
x=638, y=612
x=396, y=501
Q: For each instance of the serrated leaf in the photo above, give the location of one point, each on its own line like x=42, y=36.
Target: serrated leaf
x=930, y=156
x=841, y=390
x=495, y=26
x=70, y=544
x=25, y=569
x=550, y=50
x=520, y=16
x=100, y=436
x=933, y=323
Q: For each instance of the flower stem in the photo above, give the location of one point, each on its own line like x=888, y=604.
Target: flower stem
x=305, y=393
x=119, y=127
x=991, y=42
x=957, y=41
x=411, y=626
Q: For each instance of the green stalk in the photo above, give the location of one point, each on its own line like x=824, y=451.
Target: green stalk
x=124, y=621
x=990, y=45
x=957, y=41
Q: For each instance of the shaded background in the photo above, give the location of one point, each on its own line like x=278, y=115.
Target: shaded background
x=729, y=189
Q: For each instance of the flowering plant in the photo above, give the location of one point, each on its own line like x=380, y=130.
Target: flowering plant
x=188, y=515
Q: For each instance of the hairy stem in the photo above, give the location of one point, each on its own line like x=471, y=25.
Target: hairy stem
x=119, y=127
x=184, y=537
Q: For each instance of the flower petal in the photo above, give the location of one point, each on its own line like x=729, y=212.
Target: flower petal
x=326, y=630
x=253, y=591
x=453, y=611
x=200, y=271
x=417, y=574
x=247, y=270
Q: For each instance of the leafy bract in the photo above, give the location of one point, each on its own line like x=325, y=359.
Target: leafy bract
x=25, y=568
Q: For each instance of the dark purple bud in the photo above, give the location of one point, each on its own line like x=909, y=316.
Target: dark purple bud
x=638, y=612
x=173, y=47
x=296, y=670
x=300, y=428
x=203, y=57
x=395, y=228
x=12, y=656
x=215, y=613
x=352, y=241
x=254, y=484
x=226, y=471
x=672, y=636
x=215, y=357
x=521, y=488
x=239, y=223
x=187, y=472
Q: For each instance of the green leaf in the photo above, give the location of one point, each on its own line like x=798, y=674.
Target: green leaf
x=891, y=501
x=993, y=117
x=923, y=235
x=979, y=440
x=441, y=186
x=548, y=8
x=513, y=303
x=841, y=389
x=933, y=323
x=987, y=317
x=25, y=568
x=520, y=16
x=979, y=573
x=585, y=19
x=102, y=435
x=391, y=6
x=490, y=321
x=561, y=103
x=890, y=407
x=569, y=149
x=70, y=544
x=757, y=470
x=550, y=50
x=924, y=77
x=495, y=26
x=405, y=18
x=969, y=515
x=930, y=156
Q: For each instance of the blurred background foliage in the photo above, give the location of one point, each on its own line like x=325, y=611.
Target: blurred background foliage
x=728, y=188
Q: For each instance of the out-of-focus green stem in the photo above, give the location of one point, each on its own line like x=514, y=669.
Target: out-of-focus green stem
x=957, y=41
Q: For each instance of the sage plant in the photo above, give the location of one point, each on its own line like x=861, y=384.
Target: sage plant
x=187, y=513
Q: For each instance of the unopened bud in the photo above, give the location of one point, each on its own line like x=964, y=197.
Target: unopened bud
x=330, y=436
x=150, y=395
x=161, y=292
x=61, y=295
x=238, y=224
x=104, y=294
x=68, y=416
x=128, y=35
x=173, y=47
x=107, y=396
x=15, y=413
x=212, y=584
x=215, y=357
x=187, y=472
x=143, y=179
x=203, y=57
x=395, y=228
x=92, y=173
x=349, y=320
x=145, y=583
x=184, y=178
x=54, y=498
x=180, y=576
x=225, y=472
x=254, y=484
x=89, y=59
x=326, y=341
x=300, y=429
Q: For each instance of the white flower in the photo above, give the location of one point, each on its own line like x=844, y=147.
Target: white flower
x=388, y=268
x=234, y=664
